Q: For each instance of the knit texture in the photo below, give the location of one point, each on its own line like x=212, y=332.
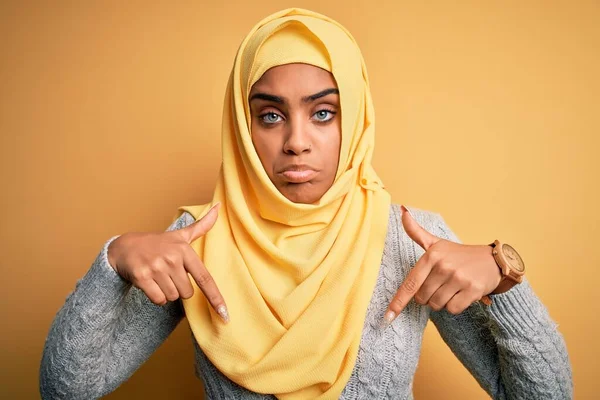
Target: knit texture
x=301, y=270
x=107, y=328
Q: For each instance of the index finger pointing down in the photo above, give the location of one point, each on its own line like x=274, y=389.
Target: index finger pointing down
x=206, y=283
x=413, y=282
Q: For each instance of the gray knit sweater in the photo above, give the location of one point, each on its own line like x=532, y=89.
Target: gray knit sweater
x=107, y=328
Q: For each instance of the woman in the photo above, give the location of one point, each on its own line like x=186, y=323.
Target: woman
x=297, y=282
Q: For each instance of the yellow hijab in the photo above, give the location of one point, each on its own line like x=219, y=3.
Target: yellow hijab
x=297, y=278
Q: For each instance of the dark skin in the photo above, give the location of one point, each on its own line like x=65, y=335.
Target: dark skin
x=287, y=128
x=296, y=126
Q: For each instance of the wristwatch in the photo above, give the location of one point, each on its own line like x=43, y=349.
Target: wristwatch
x=512, y=268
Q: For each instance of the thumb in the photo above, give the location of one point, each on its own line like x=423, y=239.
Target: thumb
x=201, y=226
x=416, y=232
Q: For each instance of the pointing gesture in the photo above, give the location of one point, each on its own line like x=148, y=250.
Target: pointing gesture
x=449, y=275
x=159, y=263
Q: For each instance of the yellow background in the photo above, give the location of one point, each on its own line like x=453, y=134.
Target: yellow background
x=487, y=112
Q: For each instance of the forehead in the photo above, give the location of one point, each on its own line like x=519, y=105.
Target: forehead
x=294, y=79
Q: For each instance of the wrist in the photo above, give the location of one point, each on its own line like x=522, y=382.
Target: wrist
x=503, y=287
x=496, y=268
x=510, y=266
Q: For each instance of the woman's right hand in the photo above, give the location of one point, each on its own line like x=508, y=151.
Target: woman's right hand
x=159, y=263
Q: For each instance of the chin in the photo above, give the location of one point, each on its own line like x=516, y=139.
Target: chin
x=301, y=193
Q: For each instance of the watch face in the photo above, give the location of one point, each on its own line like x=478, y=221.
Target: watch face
x=513, y=258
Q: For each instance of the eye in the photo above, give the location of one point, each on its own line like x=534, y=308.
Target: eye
x=270, y=118
x=324, y=115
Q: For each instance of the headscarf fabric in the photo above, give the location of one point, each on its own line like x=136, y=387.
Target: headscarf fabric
x=297, y=278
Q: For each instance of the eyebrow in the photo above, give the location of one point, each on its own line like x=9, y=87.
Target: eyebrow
x=322, y=93
x=306, y=99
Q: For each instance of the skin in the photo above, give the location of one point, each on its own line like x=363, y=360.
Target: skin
x=448, y=275
x=295, y=111
x=296, y=120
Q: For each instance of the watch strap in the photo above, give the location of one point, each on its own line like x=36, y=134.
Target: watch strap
x=509, y=277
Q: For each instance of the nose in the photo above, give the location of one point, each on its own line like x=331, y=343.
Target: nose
x=298, y=139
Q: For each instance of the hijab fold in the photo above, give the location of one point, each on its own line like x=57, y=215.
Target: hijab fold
x=297, y=278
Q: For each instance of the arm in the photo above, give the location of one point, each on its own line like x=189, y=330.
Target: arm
x=513, y=347
x=105, y=330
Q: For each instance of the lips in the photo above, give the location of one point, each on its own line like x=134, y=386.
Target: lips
x=298, y=173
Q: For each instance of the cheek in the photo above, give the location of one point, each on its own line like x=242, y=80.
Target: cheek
x=266, y=148
x=332, y=148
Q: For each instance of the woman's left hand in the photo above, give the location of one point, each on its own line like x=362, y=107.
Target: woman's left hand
x=449, y=275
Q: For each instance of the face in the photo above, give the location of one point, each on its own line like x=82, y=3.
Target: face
x=296, y=129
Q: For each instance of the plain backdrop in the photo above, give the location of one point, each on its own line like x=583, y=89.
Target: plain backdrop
x=110, y=115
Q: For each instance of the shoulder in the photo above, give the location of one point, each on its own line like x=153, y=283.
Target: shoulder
x=423, y=217
x=431, y=221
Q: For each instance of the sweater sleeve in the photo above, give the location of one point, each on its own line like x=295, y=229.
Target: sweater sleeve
x=104, y=332
x=512, y=347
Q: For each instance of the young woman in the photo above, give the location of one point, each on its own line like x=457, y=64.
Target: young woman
x=298, y=280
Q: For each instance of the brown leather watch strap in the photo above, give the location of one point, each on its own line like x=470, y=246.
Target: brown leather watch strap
x=486, y=300
x=504, y=286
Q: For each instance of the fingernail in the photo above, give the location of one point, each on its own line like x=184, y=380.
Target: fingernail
x=216, y=206
x=387, y=319
x=404, y=209
x=222, y=311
